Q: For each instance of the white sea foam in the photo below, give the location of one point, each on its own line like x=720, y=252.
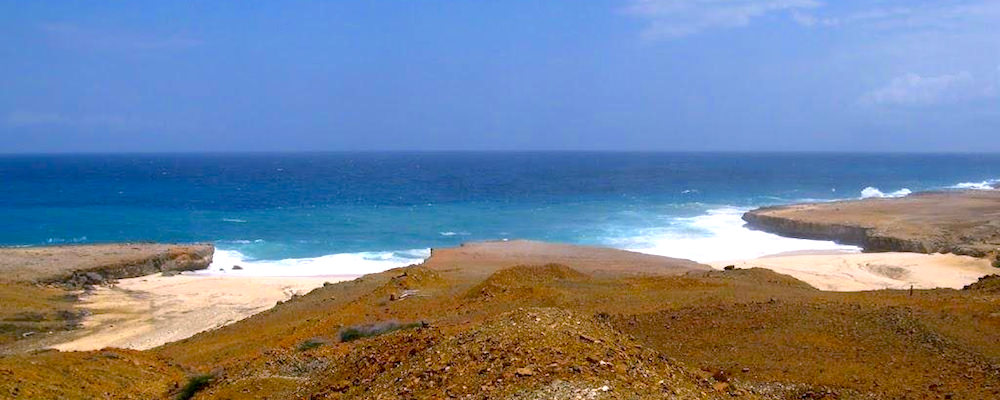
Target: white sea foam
x=241, y=241
x=332, y=264
x=873, y=192
x=450, y=233
x=80, y=239
x=720, y=235
x=984, y=185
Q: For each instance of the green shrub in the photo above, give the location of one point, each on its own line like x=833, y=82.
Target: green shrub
x=311, y=344
x=27, y=316
x=362, y=331
x=194, y=385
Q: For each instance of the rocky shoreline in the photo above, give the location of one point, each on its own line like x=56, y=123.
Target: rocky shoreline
x=963, y=222
x=186, y=258
x=79, y=265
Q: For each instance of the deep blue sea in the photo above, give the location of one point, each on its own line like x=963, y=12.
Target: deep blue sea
x=341, y=213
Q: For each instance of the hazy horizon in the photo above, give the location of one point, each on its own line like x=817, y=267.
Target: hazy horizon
x=487, y=151
x=887, y=76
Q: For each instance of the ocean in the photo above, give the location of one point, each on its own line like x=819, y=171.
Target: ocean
x=351, y=213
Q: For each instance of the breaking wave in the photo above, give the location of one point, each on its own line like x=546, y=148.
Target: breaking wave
x=990, y=184
x=873, y=192
x=344, y=264
x=719, y=235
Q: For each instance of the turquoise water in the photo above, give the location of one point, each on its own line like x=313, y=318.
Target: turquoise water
x=343, y=212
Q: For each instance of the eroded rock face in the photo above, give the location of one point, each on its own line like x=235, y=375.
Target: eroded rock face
x=965, y=223
x=178, y=258
x=865, y=237
x=96, y=263
x=762, y=219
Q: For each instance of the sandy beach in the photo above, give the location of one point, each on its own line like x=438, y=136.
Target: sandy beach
x=872, y=271
x=145, y=312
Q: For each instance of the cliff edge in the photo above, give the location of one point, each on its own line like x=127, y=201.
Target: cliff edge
x=964, y=223
x=80, y=265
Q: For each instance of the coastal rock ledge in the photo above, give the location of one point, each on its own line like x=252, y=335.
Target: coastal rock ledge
x=81, y=265
x=964, y=223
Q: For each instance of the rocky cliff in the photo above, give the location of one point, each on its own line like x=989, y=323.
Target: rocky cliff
x=966, y=223
x=76, y=266
x=179, y=258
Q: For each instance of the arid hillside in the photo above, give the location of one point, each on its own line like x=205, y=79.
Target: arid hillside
x=573, y=327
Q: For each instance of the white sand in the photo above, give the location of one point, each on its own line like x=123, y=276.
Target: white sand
x=145, y=312
x=872, y=271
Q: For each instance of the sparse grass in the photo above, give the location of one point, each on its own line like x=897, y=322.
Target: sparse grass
x=28, y=308
x=194, y=385
x=356, y=332
x=117, y=373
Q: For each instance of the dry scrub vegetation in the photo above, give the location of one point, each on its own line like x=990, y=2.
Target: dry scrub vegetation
x=562, y=331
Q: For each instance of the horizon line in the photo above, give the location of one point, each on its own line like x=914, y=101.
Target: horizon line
x=497, y=151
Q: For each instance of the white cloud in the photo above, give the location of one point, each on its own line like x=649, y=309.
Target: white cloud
x=909, y=15
x=805, y=19
x=916, y=90
x=669, y=19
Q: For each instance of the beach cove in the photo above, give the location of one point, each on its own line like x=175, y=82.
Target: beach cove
x=146, y=311
x=558, y=305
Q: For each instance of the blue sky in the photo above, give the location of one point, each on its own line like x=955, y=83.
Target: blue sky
x=672, y=75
